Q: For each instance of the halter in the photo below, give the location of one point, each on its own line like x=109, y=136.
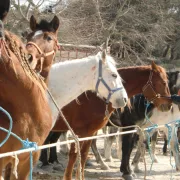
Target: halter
x=149, y=92
x=100, y=79
x=40, y=51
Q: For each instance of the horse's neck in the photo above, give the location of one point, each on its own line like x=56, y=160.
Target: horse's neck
x=160, y=118
x=135, y=78
x=14, y=70
x=67, y=80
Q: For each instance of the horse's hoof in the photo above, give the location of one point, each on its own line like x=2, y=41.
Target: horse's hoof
x=89, y=163
x=105, y=167
x=48, y=167
x=141, y=159
x=58, y=166
x=109, y=160
x=137, y=170
x=156, y=160
x=165, y=154
x=134, y=175
x=128, y=177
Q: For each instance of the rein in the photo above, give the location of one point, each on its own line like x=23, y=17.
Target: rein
x=100, y=79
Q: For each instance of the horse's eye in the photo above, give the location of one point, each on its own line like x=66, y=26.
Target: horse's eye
x=114, y=75
x=49, y=38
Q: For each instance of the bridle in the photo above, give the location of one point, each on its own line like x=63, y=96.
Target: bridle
x=100, y=79
x=149, y=92
x=39, y=49
x=42, y=54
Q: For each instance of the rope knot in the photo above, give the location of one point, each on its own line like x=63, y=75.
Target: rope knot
x=151, y=128
x=28, y=144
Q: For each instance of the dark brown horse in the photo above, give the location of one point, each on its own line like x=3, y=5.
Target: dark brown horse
x=21, y=95
x=42, y=44
x=88, y=117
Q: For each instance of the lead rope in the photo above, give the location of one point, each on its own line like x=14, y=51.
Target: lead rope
x=141, y=138
x=75, y=137
x=77, y=147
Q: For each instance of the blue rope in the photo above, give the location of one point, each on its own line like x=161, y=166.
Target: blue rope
x=169, y=139
x=148, y=131
x=147, y=118
x=25, y=143
x=10, y=126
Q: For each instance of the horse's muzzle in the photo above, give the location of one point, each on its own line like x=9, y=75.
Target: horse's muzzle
x=119, y=103
x=165, y=107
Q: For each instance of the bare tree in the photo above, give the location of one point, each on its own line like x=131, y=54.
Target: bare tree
x=139, y=30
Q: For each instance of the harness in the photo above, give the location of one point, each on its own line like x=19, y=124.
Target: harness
x=149, y=92
x=100, y=79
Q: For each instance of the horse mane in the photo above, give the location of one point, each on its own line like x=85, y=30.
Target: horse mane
x=15, y=45
x=44, y=26
x=159, y=69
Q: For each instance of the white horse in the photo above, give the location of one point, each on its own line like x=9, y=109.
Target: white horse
x=162, y=118
x=69, y=79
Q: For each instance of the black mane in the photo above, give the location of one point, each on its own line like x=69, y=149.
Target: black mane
x=44, y=25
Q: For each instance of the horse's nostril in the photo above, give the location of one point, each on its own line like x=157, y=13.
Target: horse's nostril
x=30, y=58
x=125, y=100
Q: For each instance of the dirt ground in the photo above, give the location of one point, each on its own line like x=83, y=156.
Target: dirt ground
x=160, y=171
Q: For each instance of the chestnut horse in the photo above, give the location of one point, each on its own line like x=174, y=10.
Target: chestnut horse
x=21, y=95
x=42, y=45
x=91, y=73
x=136, y=115
x=88, y=117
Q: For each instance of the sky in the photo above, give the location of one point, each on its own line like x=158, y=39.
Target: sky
x=36, y=1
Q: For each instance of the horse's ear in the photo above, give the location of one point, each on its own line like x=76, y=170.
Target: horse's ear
x=103, y=56
x=154, y=66
x=33, y=23
x=55, y=23
x=24, y=34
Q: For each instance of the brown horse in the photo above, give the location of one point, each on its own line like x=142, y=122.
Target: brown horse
x=42, y=44
x=21, y=95
x=90, y=103
x=88, y=117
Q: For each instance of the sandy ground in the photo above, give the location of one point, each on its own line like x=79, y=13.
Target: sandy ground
x=160, y=171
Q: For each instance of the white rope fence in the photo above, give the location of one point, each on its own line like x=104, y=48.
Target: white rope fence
x=14, y=153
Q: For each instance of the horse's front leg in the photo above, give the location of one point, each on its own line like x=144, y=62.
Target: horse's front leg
x=23, y=168
x=165, y=145
x=127, y=146
x=72, y=159
x=153, y=145
x=97, y=155
x=53, y=151
x=108, y=144
x=1, y=168
x=44, y=152
x=174, y=148
x=84, y=153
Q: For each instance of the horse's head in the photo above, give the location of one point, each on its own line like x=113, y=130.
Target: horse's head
x=42, y=43
x=109, y=83
x=174, y=81
x=157, y=90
